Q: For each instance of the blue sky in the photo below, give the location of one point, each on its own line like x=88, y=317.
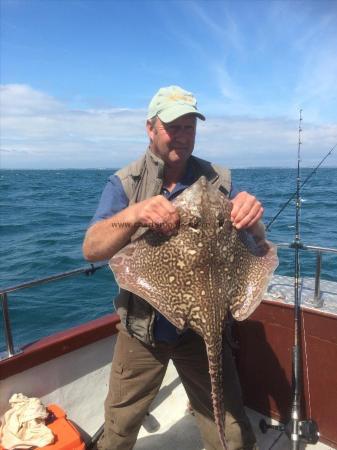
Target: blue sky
x=77, y=76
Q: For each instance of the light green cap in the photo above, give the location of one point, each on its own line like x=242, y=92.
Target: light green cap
x=172, y=102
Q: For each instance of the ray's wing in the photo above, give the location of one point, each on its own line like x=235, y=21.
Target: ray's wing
x=254, y=273
x=149, y=267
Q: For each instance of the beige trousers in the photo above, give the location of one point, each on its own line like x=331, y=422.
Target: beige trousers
x=136, y=375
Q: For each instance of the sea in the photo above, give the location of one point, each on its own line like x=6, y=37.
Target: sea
x=44, y=215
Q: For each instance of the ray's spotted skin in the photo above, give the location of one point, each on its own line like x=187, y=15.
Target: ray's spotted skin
x=195, y=276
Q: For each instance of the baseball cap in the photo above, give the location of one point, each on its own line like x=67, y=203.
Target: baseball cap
x=172, y=102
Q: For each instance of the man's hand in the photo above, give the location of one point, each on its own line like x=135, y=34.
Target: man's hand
x=106, y=237
x=157, y=213
x=246, y=212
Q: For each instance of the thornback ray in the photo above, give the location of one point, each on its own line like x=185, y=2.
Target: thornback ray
x=195, y=276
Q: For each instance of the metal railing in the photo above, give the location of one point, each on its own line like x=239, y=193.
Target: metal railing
x=92, y=269
x=317, y=301
x=59, y=276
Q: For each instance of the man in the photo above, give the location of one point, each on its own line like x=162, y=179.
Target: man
x=139, y=195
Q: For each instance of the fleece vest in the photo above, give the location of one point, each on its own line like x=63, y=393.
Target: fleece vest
x=141, y=180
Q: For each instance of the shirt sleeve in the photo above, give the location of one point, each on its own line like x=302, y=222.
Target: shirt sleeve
x=112, y=201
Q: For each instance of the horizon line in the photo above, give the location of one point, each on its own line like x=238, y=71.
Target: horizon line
x=117, y=168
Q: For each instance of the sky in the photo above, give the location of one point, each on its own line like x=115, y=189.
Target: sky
x=77, y=77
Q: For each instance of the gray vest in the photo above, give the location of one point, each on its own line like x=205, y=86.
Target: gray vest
x=143, y=179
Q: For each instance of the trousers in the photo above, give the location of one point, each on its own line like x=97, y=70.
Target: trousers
x=137, y=372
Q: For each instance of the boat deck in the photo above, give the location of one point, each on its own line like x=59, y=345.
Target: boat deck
x=79, y=360
x=170, y=426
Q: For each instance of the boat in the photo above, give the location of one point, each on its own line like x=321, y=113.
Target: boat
x=59, y=368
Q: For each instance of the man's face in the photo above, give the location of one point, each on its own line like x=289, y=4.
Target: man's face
x=173, y=142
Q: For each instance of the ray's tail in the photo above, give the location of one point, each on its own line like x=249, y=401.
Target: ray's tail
x=214, y=352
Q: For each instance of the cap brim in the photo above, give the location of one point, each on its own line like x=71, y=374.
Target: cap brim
x=170, y=114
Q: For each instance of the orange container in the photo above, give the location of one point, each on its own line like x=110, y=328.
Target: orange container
x=66, y=435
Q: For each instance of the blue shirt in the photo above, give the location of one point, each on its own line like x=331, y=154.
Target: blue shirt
x=113, y=200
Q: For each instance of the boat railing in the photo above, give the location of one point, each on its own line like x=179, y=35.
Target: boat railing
x=317, y=300
x=90, y=270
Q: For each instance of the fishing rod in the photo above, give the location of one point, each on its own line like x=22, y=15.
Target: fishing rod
x=307, y=429
x=304, y=182
x=297, y=429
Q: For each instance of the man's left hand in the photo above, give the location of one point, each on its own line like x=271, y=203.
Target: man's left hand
x=247, y=210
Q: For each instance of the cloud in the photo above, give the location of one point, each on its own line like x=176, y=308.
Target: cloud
x=21, y=99
x=251, y=142
x=225, y=30
x=229, y=90
x=308, y=33
x=270, y=62
x=40, y=131
x=223, y=39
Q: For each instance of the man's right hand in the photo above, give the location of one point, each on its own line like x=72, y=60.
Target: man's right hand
x=105, y=238
x=157, y=213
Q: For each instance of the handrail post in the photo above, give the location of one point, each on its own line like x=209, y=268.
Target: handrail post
x=7, y=326
x=318, y=301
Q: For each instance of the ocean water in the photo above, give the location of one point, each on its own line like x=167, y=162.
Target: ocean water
x=44, y=215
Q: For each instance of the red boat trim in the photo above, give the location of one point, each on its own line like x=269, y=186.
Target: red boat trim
x=59, y=344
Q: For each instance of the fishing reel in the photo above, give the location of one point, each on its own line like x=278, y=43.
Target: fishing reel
x=308, y=430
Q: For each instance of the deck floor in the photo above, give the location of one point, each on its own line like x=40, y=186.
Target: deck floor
x=170, y=427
